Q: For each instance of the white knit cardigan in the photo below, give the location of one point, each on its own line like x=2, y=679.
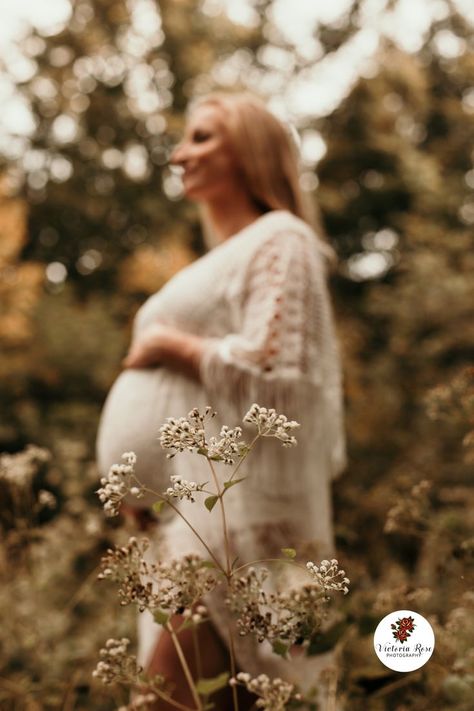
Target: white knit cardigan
x=260, y=301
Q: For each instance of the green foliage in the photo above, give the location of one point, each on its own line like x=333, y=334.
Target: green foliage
x=210, y=502
x=280, y=648
x=160, y=617
x=158, y=506
x=233, y=482
x=209, y=686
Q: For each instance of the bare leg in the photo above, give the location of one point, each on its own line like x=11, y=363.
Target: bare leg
x=214, y=659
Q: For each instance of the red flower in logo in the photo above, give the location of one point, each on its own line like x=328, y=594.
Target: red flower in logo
x=403, y=628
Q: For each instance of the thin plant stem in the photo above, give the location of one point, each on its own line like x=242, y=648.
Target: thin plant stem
x=81, y=590
x=224, y=523
x=69, y=697
x=233, y=669
x=176, y=509
x=244, y=457
x=169, y=700
x=185, y=666
x=332, y=691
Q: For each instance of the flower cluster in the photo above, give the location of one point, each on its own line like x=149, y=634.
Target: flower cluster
x=197, y=616
x=411, y=513
x=228, y=447
x=119, y=481
x=141, y=701
x=270, y=424
x=329, y=576
x=19, y=474
x=274, y=693
x=288, y=617
x=126, y=566
x=247, y=598
x=182, y=582
x=182, y=489
x=115, y=664
x=173, y=586
x=185, y=433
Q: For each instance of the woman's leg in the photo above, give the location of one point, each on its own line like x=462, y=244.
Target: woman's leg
x=213, y=660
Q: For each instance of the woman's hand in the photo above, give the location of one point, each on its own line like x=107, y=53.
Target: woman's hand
x=147, y=350
x=165, y=345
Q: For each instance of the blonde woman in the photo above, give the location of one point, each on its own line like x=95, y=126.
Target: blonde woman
x=250, y=321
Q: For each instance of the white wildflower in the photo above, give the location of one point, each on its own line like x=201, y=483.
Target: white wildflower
x=274, y=693
x=173, y=586
x=182, y=489
x=228, y=447
x=141, y=701
x=329, y=576
x=185, y=433
x=270, y=424
x=282, y=618
x=119, y=481
x=115, y=664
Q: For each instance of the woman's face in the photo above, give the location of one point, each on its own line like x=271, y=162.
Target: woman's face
x=205, y=153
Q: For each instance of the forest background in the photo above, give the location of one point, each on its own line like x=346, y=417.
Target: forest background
x=92, y=222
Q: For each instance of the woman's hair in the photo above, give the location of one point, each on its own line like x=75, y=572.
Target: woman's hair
x=268, y=157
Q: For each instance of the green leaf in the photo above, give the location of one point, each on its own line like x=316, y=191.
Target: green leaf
x=280, y=648
x=203, y=451
x=210, y=502
x=158, y=505
x=209, y=686
x=289, y=552
x=208, y=564
x=160, y=617
x=228, y=484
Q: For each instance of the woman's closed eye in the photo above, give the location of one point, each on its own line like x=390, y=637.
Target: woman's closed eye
x=200, y=136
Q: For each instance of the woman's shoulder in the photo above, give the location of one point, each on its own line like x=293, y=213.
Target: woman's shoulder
x=277, y=221
x=283, y=226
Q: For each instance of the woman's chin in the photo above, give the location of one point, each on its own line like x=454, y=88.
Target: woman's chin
x=194, y=193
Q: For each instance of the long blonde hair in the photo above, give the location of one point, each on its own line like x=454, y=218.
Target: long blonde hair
x=268, y=158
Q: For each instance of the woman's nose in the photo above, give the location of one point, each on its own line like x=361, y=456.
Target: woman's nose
x=178, y=155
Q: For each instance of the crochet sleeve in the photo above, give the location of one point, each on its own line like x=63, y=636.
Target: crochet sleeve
x=281, y=352
x=272, y=341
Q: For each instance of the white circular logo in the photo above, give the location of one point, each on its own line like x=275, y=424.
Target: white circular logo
x=404, y=640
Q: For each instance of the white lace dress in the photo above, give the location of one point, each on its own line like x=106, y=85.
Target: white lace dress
x=260, y=300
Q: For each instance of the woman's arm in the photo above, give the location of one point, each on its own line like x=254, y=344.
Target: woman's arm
x=166, y=345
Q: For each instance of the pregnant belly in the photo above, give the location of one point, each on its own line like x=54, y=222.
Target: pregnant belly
x=137, y=405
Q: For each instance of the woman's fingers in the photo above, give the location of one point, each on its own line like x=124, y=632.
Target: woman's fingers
x=142, y=354
x=138, y=357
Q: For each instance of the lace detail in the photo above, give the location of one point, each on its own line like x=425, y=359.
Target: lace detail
x=284, y=354
x=272, y=336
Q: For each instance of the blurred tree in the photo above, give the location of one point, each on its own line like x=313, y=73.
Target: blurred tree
x=20, y=291
x=107, y=100
x=396, y=194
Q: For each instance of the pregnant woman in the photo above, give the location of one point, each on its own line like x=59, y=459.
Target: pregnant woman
x=250, y=321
